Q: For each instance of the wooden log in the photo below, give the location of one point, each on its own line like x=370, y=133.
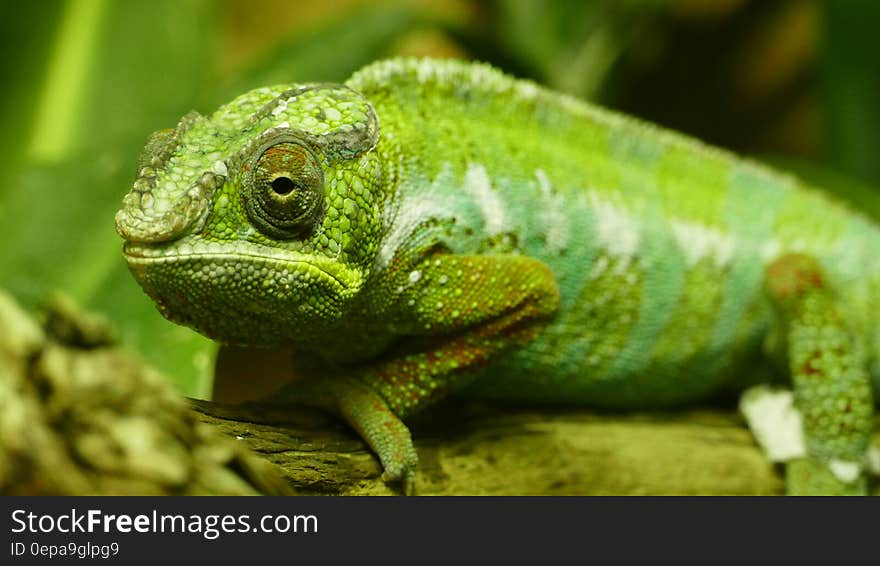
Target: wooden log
x=476, y=449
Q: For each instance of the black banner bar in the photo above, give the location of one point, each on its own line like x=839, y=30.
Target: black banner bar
x=226, y=530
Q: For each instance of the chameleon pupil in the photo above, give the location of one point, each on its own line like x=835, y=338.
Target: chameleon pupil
x=283, y=186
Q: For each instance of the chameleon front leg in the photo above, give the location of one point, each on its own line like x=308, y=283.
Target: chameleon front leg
x=369, y=415
x=832, y=387
x=454, y=314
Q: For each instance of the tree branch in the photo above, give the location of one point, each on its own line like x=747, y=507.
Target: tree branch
x=480, y=450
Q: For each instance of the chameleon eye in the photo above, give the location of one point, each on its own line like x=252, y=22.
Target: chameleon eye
x=284, y=193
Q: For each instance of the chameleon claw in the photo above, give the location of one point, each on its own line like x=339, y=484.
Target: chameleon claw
x=406, y=478
x=400, y=464
x=409, y=483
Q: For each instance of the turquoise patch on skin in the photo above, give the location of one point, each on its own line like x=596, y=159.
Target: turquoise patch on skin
x=660, y=260
x=573, y=268
x=664, y=267
x=572, y=272
x=753, y=200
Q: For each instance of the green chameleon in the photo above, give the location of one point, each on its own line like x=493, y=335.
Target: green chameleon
x=434, y=227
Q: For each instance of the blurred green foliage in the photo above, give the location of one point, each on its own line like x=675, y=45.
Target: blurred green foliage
x=87, y=80
x=851, y=87
x=98, y=76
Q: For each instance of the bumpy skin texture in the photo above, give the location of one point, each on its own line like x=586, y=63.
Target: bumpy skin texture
x=434, y=227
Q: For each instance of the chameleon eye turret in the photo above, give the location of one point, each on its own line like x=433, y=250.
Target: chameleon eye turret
x=157, y=211
x=284, y=190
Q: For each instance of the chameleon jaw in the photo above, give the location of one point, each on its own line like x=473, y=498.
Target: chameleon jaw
x=245, y=299
x=141, y=256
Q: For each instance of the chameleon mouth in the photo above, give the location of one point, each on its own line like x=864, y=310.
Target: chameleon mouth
x=329, y=271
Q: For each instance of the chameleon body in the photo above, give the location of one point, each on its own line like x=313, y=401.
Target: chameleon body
x=436, y=227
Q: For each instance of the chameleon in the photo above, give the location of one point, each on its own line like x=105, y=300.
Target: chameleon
x=435, y=227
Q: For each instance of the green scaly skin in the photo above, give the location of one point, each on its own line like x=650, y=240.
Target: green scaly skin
x=433, y=227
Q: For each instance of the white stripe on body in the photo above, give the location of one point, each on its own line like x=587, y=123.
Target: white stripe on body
x=553, y=215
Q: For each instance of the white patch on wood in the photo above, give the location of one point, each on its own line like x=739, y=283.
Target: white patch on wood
x=774, y=421
x=553, y=215
x=616, y=231
x=698, y=241
x=478, y=184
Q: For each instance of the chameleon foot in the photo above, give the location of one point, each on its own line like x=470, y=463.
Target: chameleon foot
x=386, y=434
x=370, y=416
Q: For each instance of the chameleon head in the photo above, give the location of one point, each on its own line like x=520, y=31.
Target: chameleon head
x=259, y=223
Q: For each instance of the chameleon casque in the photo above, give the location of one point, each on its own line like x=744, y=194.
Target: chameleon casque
x=432, y=227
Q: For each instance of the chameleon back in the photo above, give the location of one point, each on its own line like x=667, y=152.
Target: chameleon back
x=659, y=243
